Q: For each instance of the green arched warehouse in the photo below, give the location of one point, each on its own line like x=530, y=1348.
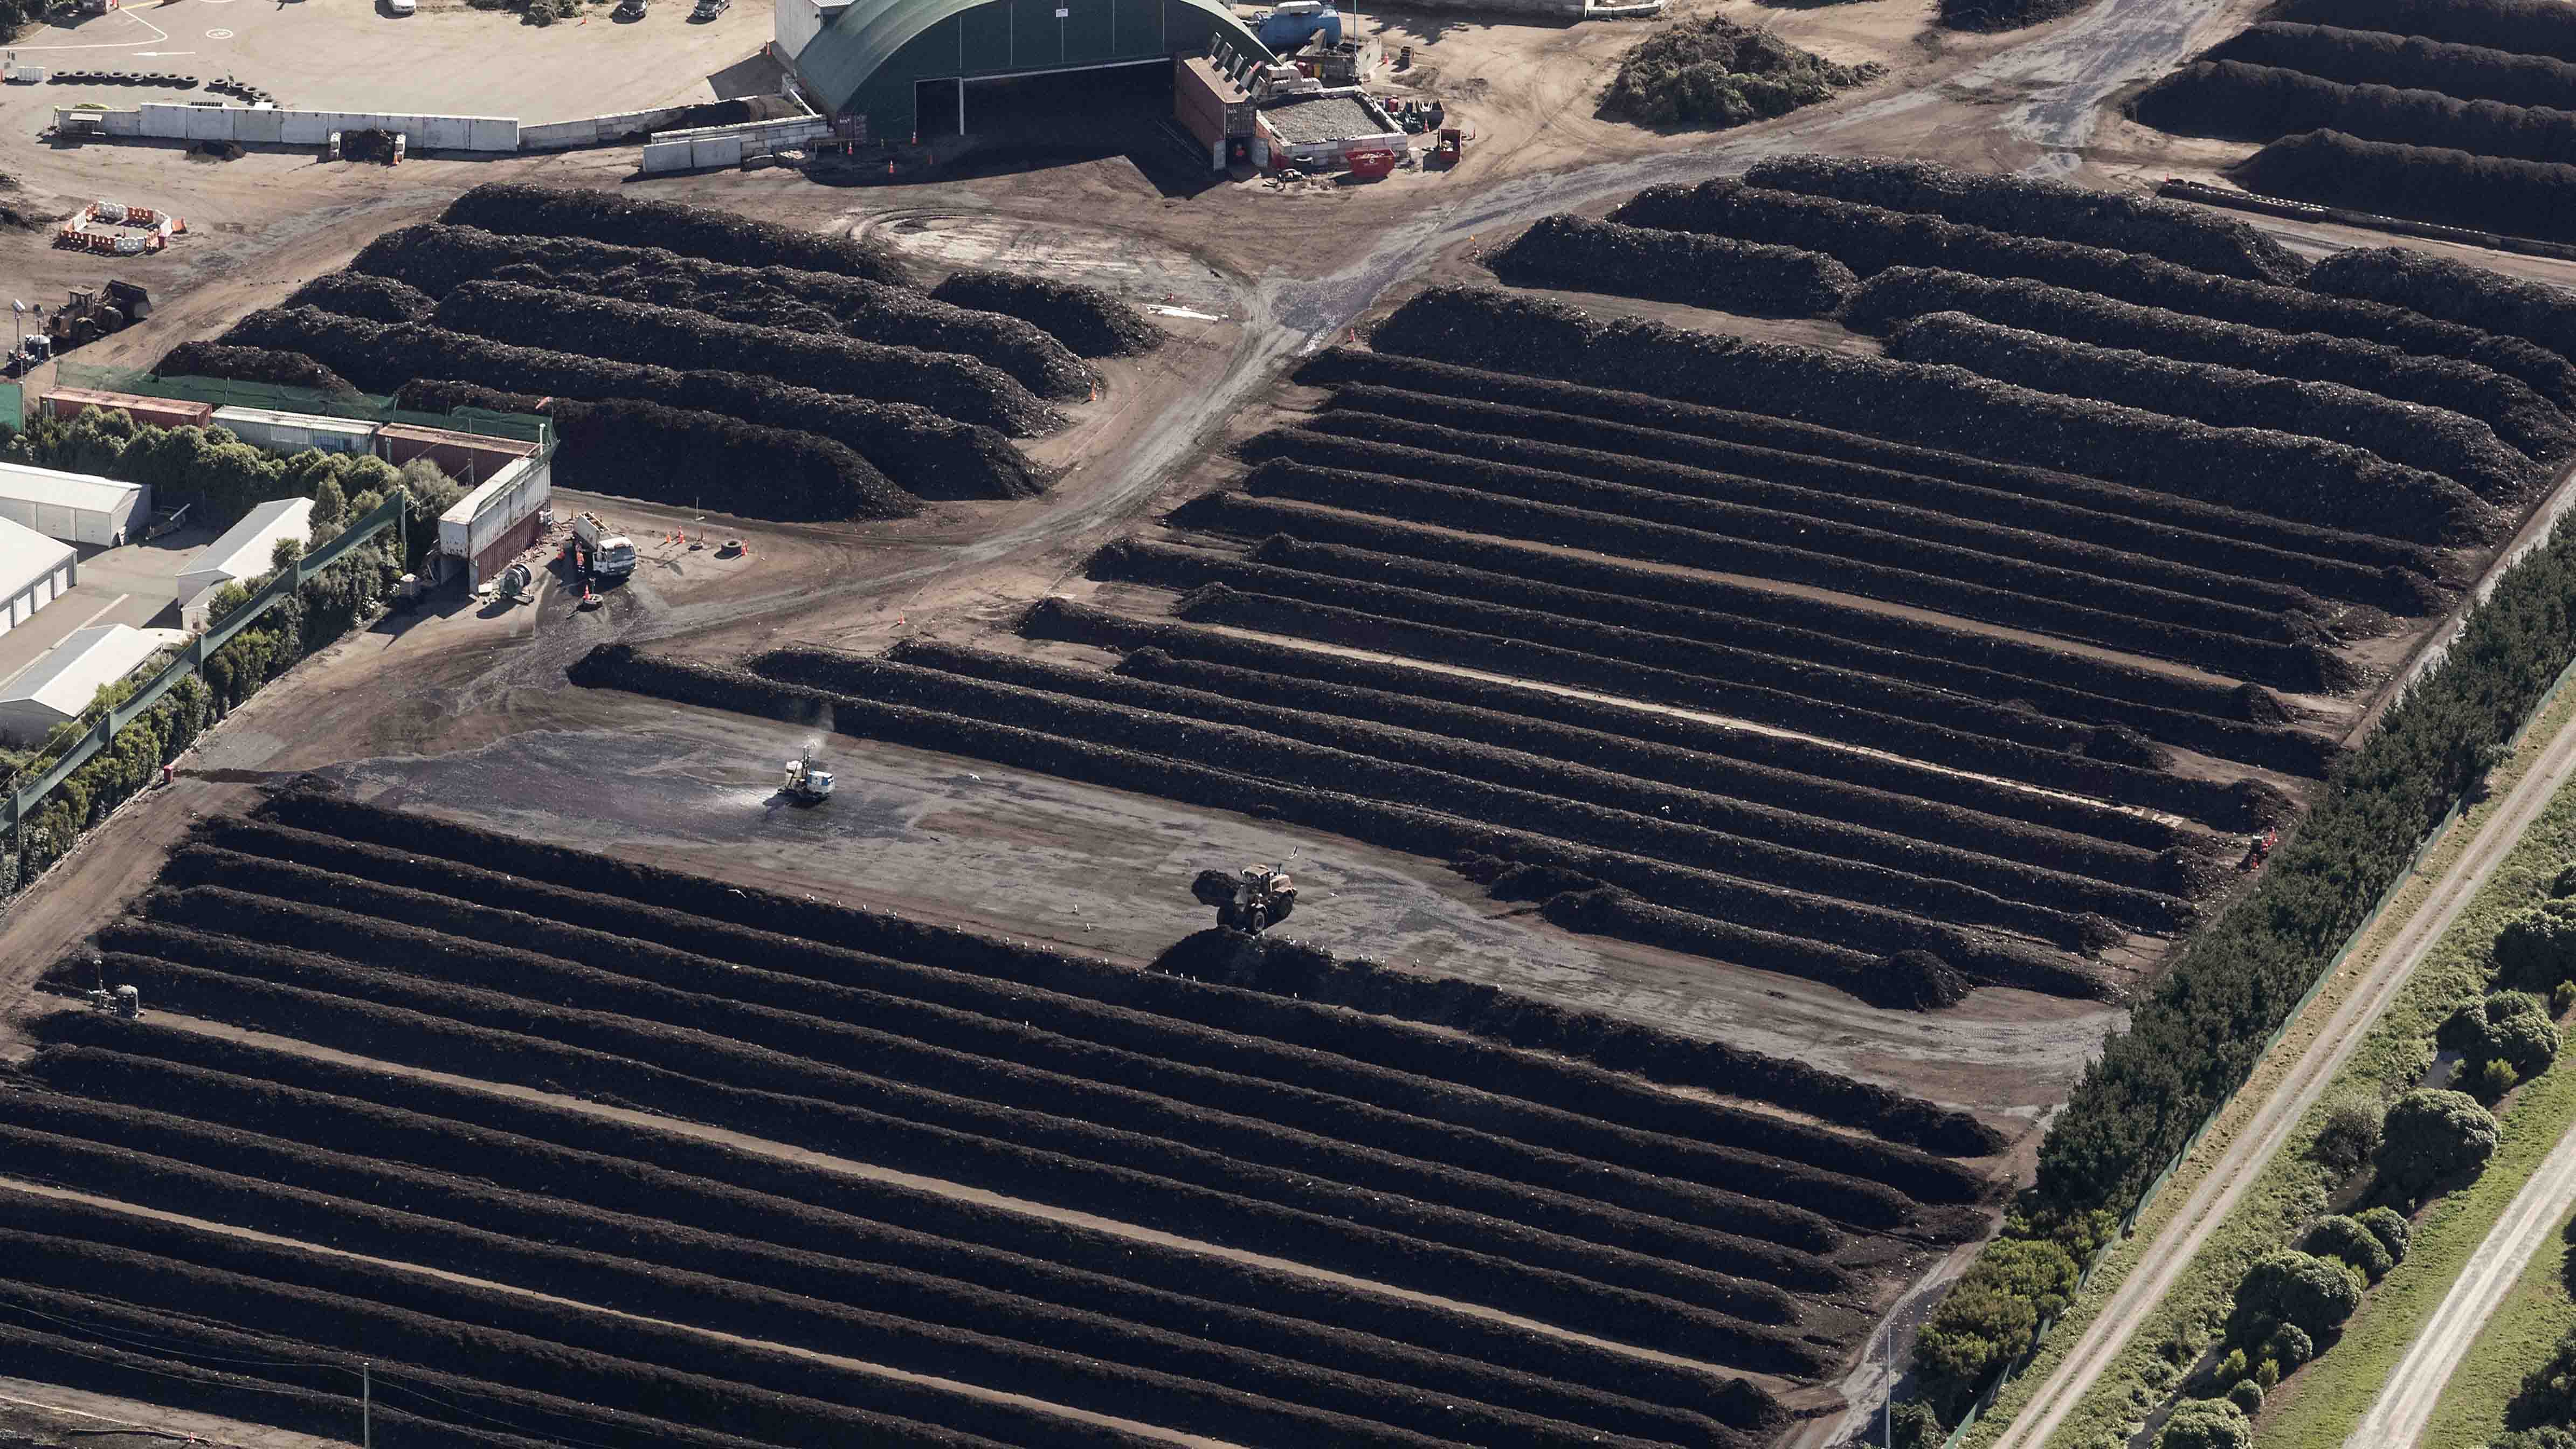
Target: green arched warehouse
x=909, y=66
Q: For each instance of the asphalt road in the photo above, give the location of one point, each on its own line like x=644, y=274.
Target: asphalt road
x=2406, y=1405
x=2254, y=1146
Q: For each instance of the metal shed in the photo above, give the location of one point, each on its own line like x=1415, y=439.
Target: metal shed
x=244, y=552
x=908, y=65
x=276, y=432
x=64, y=679
x=74, y=507
x=34, y=571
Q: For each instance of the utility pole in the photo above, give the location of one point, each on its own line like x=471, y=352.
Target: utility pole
x=366, y=1404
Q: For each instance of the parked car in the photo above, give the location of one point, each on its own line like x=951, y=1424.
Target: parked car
x=710, y=9
x=401, y=7
x=628, y=10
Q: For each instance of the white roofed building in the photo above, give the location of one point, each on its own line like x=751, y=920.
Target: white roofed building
x=246, y=551
x=63, y=680
x=34, y=571
x=74, y=507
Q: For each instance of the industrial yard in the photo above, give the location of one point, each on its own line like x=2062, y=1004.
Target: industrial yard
x=1152, y=723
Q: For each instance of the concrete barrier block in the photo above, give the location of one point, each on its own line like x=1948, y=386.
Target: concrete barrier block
x=261, y=127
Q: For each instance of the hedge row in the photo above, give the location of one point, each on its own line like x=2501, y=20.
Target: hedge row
x=249, y=364
x=1548, y=1188
x=2241, y=102
x=2420, y=183
x=1375, y=820
x=1871, y=239
x=2521, y=417
x=1569, y=1086
x=1416, y=1341
x=2533, y=27
x=302, y=1336
x=924, y=453
x=2296, y=666
x=517, y=208
x=564, y=1388
x=1941, y=407
x=895, y=987
x=1714, y=611
x=1584, y=255
x=2190, y=1044
x=2454, y=291
x=443, y=1043
x=2013, y=558
x=2177, y=232
x=1089, y=1120
x=2432, y=439
x=630, y=449
x=288, y=1383
x=438, y=259
x=1834, y=841
x=1092, y=321
x=1536, y=407
x=356, y=294
x=583, y=1201
x=947, y=383
x=2374, y=57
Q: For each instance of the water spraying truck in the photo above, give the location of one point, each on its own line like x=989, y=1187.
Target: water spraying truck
x=608, y=555
x=805, y=784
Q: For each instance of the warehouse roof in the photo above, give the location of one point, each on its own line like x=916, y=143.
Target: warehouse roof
x=26, y=556
x=858, y=37
x=276, y=418
x=65, y=678
x=246, y=548
x=64, y=490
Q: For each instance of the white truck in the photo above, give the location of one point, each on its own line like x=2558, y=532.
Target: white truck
x=608, y=555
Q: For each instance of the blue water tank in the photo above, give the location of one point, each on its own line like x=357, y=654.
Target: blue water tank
x=1291, y=25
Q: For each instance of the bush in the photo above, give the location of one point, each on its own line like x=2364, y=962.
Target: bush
x=1713, y=72
x=2290, y=1346
x=2509, y=1026
x=2390, y=1227
x=1998, y=15
x=2241, y=102
x=697, y=231
x=2419, y=183
x=2341, y=1237
x=2231, y=1366
x=1580, y=254
x=2519, y=415
x=1092, y=321
x=1991, y=1314
x=2411, y=62
x=2428, y=438
x=1940, y=407
x=438, y=259
x=2175, y=231
x=2536, y=950
x=2206, y=1424
x=2247, y=1394
x=2433, y=1136
x=2455, y=292
x=2287, y=1286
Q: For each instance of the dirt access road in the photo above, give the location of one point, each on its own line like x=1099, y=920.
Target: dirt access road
x=2244, y=1159
x=2406, y=1405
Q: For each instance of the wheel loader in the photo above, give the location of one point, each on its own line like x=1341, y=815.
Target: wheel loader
x=1252, y=900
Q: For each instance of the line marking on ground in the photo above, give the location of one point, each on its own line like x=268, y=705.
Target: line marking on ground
x=103, y=608
x=158, y=35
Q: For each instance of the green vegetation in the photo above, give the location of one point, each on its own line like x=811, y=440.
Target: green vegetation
x=231, y=476
x=2196, y=1039
x=2522, y=1335
x=1716, y=73
x=2294, y=1190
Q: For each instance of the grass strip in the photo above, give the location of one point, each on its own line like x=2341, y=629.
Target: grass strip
x=2520, y=1337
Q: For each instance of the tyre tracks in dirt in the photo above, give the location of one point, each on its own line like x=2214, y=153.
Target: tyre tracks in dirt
x=2233, y=1173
